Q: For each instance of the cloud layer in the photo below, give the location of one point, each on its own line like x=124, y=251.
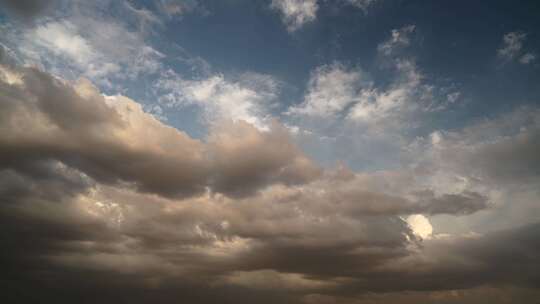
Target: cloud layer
x=92, y=184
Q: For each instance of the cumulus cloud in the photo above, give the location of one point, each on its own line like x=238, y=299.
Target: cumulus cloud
x=336, y=91
x=296, y=13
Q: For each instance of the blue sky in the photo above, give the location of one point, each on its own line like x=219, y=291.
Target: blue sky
x=247, y=134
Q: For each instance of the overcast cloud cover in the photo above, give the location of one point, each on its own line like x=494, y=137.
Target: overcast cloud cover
x=280, y=151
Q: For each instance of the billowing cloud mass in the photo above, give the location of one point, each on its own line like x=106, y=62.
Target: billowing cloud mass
x=381, y=180
x=80, y=127
x=105, y=188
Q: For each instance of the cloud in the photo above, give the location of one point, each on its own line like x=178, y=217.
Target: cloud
x=527, y=58
x=78, y=44
x=397, y=100
x=243, y=161
x=26, y=8
x=112, y=139
x=497, y=151
x=296, y=13
x=331, y=89
x=512, y=45
x=62, y=39
x=248, y=97
x=512, y=48
x=420, y=225
x=362, y=4
x=337, y=91
x=91, y=184
x=178, y=7
x=400, y=38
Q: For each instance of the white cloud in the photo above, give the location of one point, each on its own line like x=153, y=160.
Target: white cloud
x=400, y=38
x=248, y=98
x=334, y=90
x=527, y=58
x=362, y=4
x=62, y=38
x=331, y=89
x=396, y=100
x=420, y=225
x=512, y=45
x=83, y=42
x=296, y=13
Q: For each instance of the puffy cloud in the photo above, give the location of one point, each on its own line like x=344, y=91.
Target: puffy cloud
x=331, y=89
x=243, y=160
x=296, y=13
x=336, y=91
x=396, y=101
x=248, y=97
x=112, y=139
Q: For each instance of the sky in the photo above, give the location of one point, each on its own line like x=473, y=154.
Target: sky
x=270, y=151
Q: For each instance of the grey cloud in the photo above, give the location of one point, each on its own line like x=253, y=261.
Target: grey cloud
x=112, y=139
x=80, y=218
x=502, y=151
x=26, y=8
x=245, y=158
x=463, y=203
